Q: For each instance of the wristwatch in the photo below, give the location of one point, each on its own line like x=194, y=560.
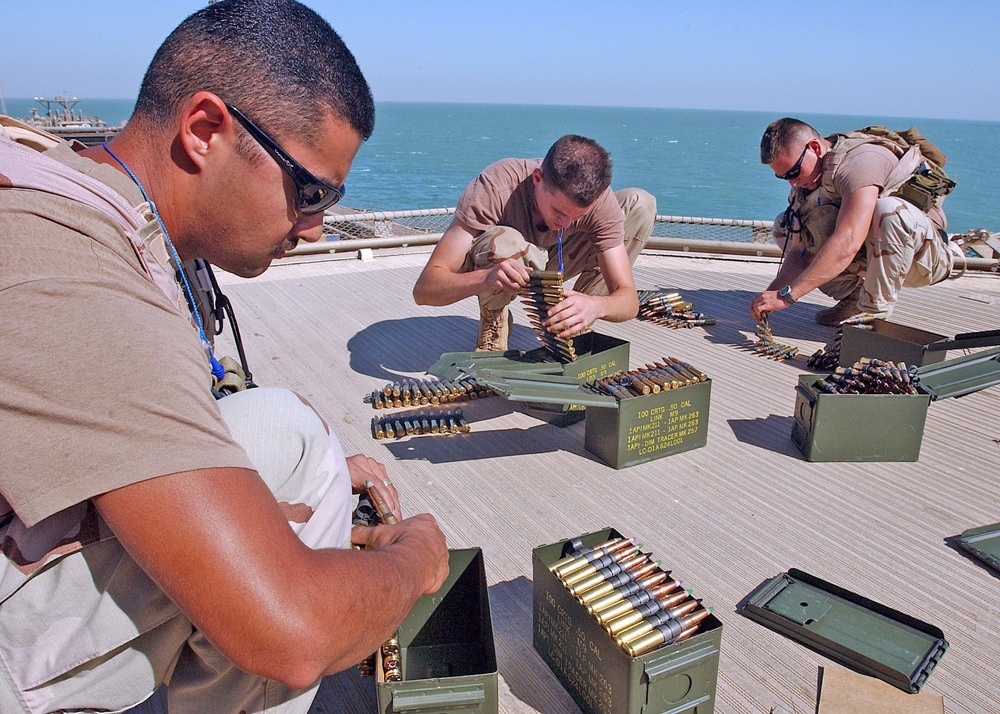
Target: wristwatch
x=786, y=294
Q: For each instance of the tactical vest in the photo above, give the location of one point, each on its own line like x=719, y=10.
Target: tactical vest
x=25, y=165
x=915, y=178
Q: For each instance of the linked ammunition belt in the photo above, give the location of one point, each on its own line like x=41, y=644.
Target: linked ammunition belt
x=545, y=290
x=630, y=595
x=421, y=392
x=385, y=663
x=829, y=356
x=389, y=660
x=767, y=346
x=871, y=376
x=420, y=422
x=669, y=309
x=652, y=379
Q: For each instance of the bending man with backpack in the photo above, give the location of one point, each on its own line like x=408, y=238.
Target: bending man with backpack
x=864, y=218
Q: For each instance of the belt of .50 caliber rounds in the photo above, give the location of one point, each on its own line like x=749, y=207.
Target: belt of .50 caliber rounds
x=766, y=345
x=669, y=309
x=630, y=595
x=657, y=377
x=419, y=423
x=422, y=392
x=545, y=290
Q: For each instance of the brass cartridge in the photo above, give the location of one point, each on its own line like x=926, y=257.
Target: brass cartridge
x=392, y=670
x=653, y=376
x=547, y=275
x=377, y=431
x=644, y=379
x=366, y=667
x=697, y=373
x=391, y=648
x=381, y=506
x=684, y=369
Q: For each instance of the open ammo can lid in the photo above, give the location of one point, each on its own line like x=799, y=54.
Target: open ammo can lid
x=967, y=340
x=852, y=630
x=454, y=365
x=961, y=375
x=983, y=543
x=542, y=388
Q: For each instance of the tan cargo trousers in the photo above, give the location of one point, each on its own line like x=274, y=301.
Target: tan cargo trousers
x=90, y=632
x=579, y=256
x=903, y=249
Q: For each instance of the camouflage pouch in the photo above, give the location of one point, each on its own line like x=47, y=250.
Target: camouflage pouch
x=927, y=185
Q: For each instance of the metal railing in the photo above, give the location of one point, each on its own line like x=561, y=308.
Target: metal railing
x=356, y=230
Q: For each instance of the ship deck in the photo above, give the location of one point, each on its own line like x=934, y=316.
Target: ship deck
x=724, y=518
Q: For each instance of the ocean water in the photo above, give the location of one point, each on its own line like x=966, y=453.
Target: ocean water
x=696, y=162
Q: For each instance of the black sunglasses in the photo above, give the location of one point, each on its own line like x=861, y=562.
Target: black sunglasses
x=312, y=195
x=793, y=173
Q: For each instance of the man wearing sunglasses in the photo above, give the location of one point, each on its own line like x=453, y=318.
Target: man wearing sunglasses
x=847, y=231
x=151, y=533
x=556, y=213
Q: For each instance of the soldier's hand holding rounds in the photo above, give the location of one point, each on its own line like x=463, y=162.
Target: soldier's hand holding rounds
x=510, y=275
x=417, y=542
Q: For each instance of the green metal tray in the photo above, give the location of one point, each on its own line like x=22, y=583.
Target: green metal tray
x=849, y=629
x=962, y=375
x=983, y=543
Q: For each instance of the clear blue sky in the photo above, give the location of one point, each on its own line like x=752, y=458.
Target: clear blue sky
x=894, y=58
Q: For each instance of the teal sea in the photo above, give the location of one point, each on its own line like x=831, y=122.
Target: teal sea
x=696, y=162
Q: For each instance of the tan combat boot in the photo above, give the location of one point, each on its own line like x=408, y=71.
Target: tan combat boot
x=847, y=307
x=494, y=329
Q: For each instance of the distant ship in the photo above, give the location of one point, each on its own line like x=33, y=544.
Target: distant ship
x=60, y=119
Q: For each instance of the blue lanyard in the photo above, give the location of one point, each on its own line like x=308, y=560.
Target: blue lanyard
x=218, y=371
x=559, y=240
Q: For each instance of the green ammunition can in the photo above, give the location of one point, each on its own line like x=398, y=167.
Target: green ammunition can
x=650, y=427
x=447, y=658
x=601, y=676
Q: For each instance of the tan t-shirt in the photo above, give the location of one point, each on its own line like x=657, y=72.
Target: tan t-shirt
x=104, y=382
x=503, y=195
x=870, y=165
